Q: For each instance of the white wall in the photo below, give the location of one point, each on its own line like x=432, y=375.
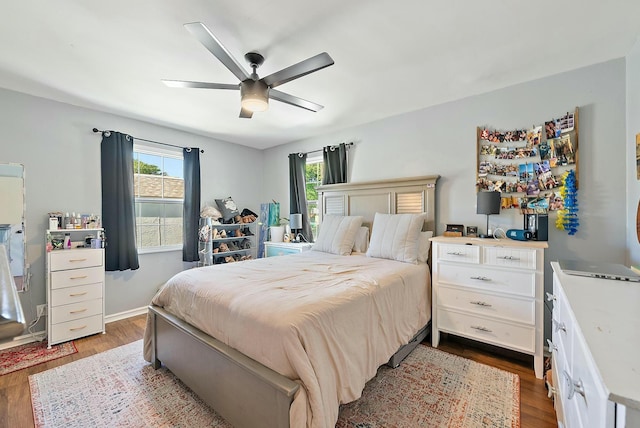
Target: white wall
x=61, y=155
x=442, y=140
x=633, y=127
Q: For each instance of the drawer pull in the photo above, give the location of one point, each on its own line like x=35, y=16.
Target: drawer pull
x=481, y=278
x=77, y=294
x=480, y=328
x=551, y=297
x=574, y=387
x=509, y=258
x=78, y=277
x=559, y=326
x=78, y=312
x=483, y=304
x=78, y=328
x=455, y=253
x=553, y=348
x=77, y=260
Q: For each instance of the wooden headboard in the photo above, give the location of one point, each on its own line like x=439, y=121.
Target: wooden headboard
x=396, y=196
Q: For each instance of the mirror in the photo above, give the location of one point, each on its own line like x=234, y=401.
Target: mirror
x=12, y=233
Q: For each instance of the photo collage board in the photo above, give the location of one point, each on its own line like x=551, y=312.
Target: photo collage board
x=527, y=165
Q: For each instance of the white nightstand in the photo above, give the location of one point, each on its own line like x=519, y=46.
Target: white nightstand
x=272, y=249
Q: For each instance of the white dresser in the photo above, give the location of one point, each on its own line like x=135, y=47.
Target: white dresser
x=75, y=294
x=490, y=290
x=596, y=351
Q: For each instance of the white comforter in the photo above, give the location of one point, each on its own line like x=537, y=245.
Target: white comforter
x=326, y=321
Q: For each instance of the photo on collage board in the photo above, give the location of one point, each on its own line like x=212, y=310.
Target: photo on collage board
x=525, y=172
x=564, y=151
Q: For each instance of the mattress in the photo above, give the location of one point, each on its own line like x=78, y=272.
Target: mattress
x=325, y=321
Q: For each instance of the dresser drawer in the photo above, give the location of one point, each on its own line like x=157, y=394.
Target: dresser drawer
x=271, y=251
x=77, y=328
x=522, y=258
x=459, y=253
x=521, y=283
x=512, y=309
x=592, y=407
x=75, y=259
x=562, y=325
x=71, y=278
x=75, y=311
x=80, y=293
x=490, y=331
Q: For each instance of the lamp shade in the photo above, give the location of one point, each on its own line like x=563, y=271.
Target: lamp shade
x=488, y=203
x=295, y=221
x=254, y=95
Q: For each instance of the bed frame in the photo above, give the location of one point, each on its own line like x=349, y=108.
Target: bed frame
x=243, y=391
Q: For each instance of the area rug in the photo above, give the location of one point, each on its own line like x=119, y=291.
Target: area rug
x=118, y=388
x=31, y=354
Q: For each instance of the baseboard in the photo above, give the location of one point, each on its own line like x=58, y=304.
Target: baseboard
x=28, y=338
x=126, y=314
x=23, y=340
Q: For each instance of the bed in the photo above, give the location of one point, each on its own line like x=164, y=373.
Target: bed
x=283, y=341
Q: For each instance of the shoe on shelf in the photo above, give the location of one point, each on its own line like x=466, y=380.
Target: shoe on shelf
x=223, y=248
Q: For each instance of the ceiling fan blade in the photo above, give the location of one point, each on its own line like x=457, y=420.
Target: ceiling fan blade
x=294, y=101
x=205, y=85
x=245, y=114
x=300, y=69
x=214, y=46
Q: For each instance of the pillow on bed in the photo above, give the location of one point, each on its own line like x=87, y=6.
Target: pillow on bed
x=228, y=208
x=361, y=243
x=423, y=246
x=337, y=234
x=395, y=237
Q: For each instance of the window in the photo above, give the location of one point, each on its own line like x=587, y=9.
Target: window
x=159, y=196
x=313, y=179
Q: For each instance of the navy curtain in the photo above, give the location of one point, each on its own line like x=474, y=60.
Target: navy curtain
x=298, y=191
x=335, y=164
x=191, y=209
x=118, y=211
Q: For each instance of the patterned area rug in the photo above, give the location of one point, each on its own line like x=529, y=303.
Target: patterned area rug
x=118, y=388
x=31, y=354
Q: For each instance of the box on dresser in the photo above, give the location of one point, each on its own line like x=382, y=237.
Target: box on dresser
x=490, y=290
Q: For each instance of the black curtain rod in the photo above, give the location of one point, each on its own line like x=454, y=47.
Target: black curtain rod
x=151, y=141
x=319, y=150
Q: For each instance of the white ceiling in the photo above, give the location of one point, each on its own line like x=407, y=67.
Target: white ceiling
x=390, y=57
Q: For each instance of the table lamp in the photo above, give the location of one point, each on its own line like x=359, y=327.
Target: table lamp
x=488, y=203
x=295, y=221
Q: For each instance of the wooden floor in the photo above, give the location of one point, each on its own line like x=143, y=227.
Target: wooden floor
x=15, y=400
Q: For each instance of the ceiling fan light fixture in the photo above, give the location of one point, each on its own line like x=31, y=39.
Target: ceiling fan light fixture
x=254, y=95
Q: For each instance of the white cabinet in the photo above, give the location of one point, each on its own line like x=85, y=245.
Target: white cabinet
x=594, y=360
x=75, y=293
x=490, y=290
x=224, y=243
x=272, y=249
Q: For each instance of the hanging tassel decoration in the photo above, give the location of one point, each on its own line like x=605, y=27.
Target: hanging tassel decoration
x=568, y=217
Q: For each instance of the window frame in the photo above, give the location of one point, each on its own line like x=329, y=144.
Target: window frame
x=164, y=153
x=314, y=159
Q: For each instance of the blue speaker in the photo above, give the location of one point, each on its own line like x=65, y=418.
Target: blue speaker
x=519, y=234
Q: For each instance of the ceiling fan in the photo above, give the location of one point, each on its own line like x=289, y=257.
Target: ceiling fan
x=254, y=92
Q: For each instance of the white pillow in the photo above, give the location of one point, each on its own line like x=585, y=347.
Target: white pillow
x=337, y=234
x=361, y=243
x=423, y=246
x=395, y=237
